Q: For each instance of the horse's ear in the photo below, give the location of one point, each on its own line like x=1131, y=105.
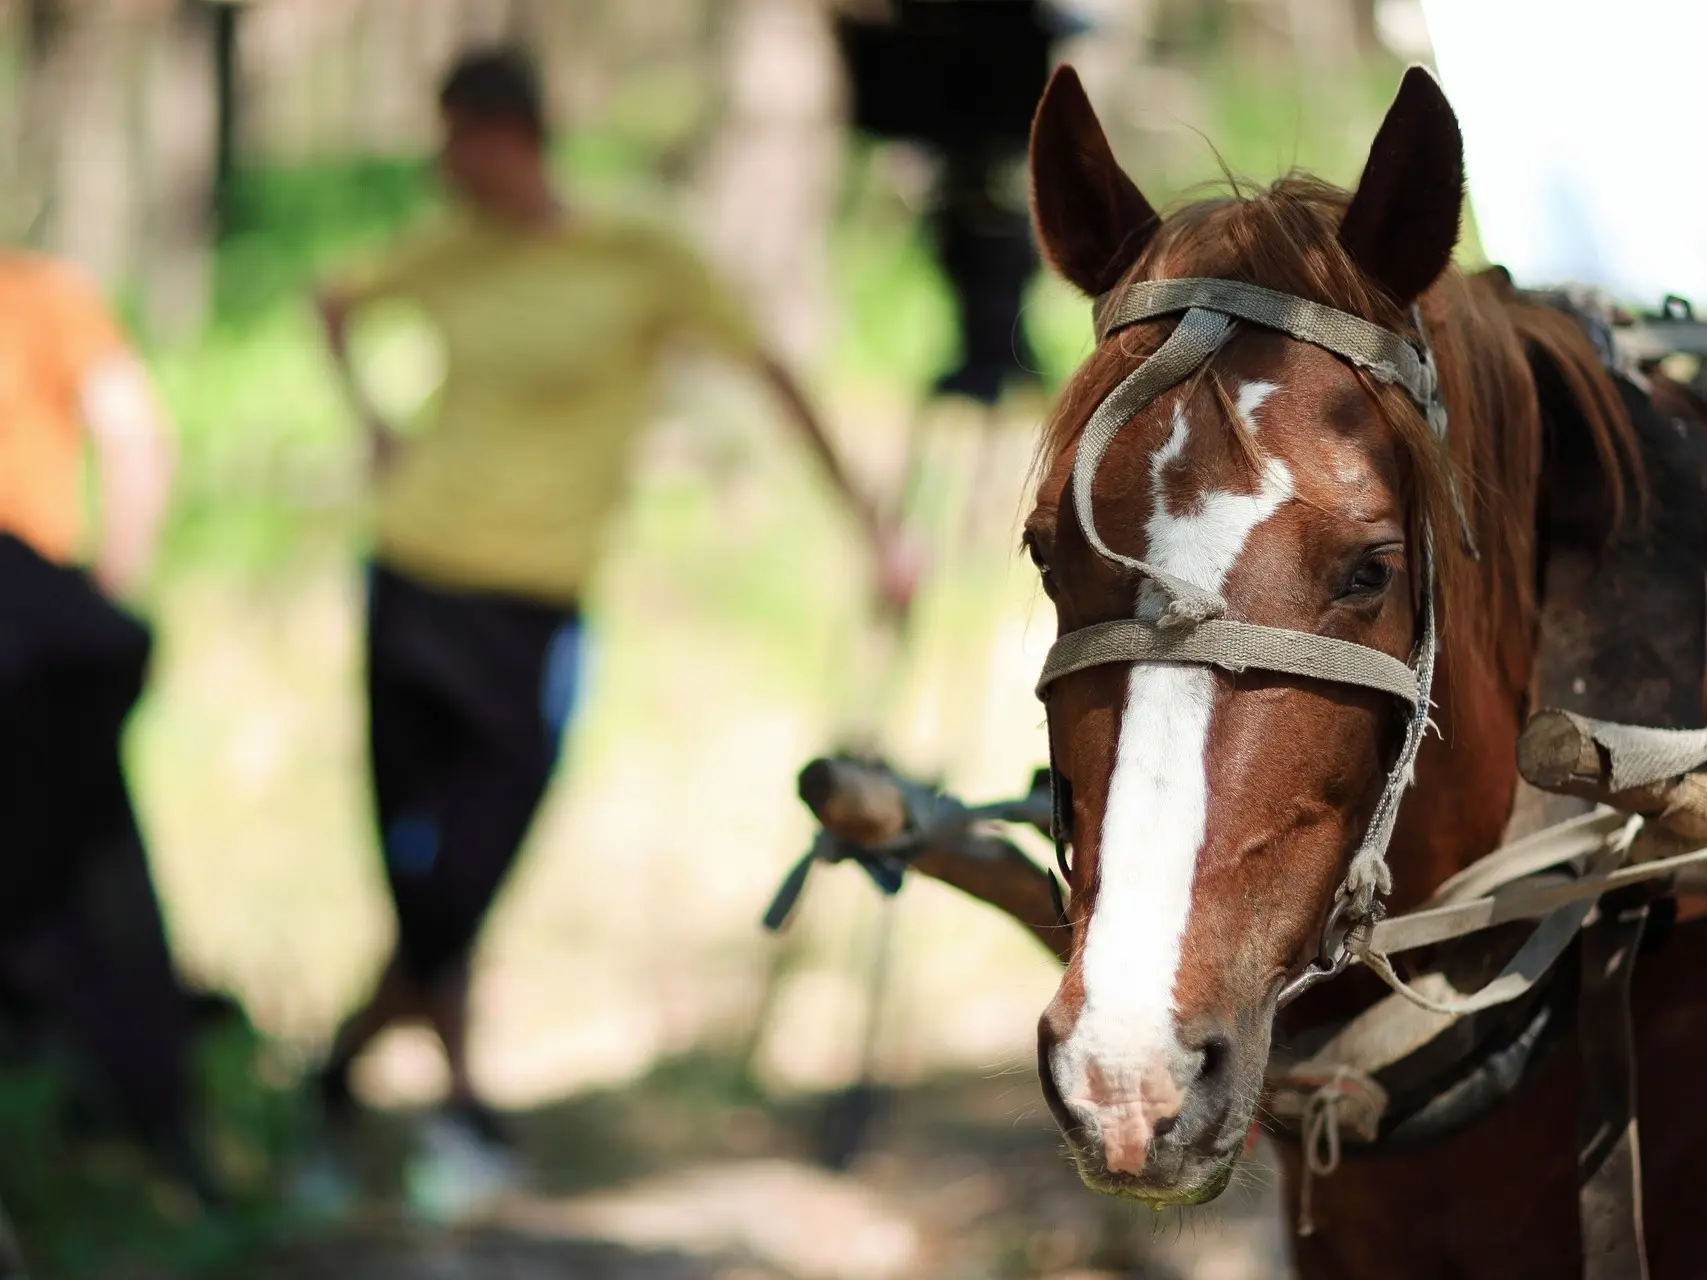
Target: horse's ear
x=1403, y=222
x=1091, y=221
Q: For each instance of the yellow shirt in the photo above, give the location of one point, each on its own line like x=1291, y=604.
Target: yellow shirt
x=552, y=344
x=54, y=329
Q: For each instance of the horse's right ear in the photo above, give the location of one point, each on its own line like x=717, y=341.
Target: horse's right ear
x=1091, y=221
x=1402, y=224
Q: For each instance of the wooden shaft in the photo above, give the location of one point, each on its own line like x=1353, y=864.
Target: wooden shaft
x=1558, y=753
x=864, y=805
x=992, y=870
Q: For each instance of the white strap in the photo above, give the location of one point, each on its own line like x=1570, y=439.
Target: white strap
x=1433, y=925
x=1554, y=846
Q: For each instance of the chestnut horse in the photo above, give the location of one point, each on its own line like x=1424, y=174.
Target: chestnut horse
x=1213, y=815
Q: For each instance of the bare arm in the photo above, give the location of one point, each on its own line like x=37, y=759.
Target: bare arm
x=335, y=310
x=134, y=457
x=897, y=562
x=806, y=421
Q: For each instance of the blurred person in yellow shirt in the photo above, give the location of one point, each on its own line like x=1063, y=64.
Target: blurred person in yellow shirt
x=82, y=943
x=556, y=324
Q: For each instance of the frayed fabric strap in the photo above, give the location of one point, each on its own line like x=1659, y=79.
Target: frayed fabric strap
x=1198, y=336
x=1640, y=755
x=1368, y=878
x=1232, y=646
x=1386, y=355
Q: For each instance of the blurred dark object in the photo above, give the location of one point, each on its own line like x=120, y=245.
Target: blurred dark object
x=961, y=78
x=223, y=51
x=984, y=247
x=953, y=75
x=71, y=668
x=842, y=1129
x=83, y=951
x=11, y=1261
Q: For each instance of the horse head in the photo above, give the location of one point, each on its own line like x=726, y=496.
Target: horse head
x=1213, y=812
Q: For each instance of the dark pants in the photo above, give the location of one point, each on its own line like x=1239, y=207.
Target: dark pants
x=469, y=694
x=82, y=945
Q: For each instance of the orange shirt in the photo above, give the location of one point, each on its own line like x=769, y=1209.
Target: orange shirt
x=54, y=329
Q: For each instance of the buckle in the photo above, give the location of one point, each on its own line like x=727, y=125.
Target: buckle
x=1334, y=955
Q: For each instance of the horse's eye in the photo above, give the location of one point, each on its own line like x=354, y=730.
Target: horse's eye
x=1374, y=573
x=1043, y=572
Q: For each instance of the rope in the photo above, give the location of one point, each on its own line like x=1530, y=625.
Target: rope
x=1369, y=879
x=1198, y=336
x=1321, y=1143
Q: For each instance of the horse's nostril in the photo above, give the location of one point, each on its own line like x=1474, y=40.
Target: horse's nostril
x=1164, y=1126
x=1047, y=1039
x=1213, y=1056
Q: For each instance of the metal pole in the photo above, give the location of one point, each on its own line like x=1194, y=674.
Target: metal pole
x=849, y=1115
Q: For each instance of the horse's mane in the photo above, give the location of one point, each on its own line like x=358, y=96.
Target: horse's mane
x=1483, y=337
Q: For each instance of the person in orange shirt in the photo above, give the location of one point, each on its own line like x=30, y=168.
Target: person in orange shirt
x=68, y=380
x=81, y=937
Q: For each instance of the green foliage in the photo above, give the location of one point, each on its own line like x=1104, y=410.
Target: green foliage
x=93, y=1207
x=284, y=223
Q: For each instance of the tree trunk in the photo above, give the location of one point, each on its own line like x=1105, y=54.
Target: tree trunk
x=189, y=148
x=86, y=86
x=770, y=180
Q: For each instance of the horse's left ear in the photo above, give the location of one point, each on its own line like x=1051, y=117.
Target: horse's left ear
x=1092, y=222
x=1402, y=224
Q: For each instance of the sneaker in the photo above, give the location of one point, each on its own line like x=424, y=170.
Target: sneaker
x=482, y=1121
x=323, y=1189
x=465, y=1165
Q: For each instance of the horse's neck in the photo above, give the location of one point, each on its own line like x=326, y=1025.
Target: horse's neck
x=1466, y=777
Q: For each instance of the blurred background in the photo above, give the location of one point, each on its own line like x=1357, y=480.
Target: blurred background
x=662, y=1058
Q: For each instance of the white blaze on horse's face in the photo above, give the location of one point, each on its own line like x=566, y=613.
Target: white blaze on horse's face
x=1122, y=1070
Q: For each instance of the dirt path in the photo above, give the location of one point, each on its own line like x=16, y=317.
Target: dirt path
x=679, y=1178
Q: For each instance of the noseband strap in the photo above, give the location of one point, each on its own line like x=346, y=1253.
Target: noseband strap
x=1189, y=626
x=1232, y=646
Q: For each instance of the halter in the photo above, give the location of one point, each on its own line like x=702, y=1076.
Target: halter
x=1185, y=623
